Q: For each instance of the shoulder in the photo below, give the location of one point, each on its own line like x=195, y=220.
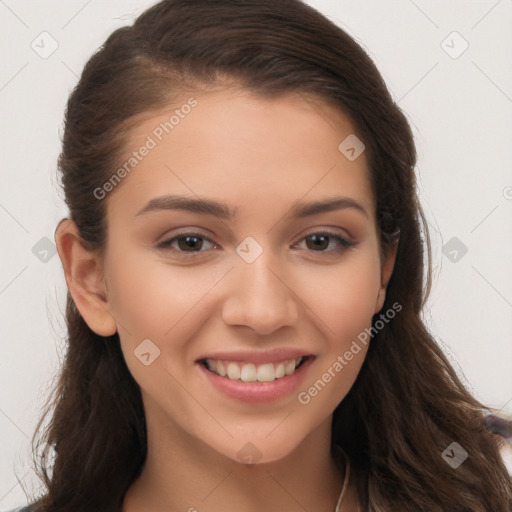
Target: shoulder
x=20, y=509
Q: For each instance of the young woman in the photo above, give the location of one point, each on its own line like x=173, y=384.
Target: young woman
x=244, y=259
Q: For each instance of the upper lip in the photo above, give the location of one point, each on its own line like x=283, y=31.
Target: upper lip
x=257, y=356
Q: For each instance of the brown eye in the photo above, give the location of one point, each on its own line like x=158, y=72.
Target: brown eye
x=190, y=243
x=319, y=242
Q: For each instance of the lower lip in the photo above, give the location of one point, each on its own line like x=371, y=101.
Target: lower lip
x=258, y=391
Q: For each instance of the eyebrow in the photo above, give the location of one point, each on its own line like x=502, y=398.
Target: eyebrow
x=223, y=211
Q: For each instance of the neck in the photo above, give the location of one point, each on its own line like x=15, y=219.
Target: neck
x=183, y=474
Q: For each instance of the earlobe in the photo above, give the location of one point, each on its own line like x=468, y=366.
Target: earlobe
x=387, y=267
x=83, y=273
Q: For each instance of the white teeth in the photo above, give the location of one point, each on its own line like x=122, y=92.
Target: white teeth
x=249, y=372
x=233, y=371
x=279, y=372
x=220, y=369
x=289, y=367
x=266, y=373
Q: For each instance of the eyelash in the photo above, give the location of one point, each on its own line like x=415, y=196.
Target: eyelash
x=165, y=245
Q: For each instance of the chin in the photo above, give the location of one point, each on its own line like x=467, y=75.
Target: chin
x=251, y=451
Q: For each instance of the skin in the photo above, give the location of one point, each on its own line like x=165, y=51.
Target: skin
x=261, y=156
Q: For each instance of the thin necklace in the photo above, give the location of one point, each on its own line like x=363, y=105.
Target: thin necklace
x=345, y=483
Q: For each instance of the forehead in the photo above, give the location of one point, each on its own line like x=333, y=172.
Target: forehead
x=252, y=152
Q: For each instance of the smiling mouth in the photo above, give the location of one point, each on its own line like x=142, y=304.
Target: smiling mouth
x=250, y=372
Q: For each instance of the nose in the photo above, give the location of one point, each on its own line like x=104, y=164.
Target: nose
x=260, y=296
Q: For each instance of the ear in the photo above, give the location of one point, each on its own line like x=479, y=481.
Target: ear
x=386, y=270
x=84, y=277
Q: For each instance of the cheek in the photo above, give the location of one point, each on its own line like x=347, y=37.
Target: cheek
x=150, y=297
x=166, y=304
x=345, y=303
x=346, y=298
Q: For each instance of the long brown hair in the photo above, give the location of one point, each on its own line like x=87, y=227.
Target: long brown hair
x=407, y=404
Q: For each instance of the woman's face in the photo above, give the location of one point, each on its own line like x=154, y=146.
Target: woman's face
x=247, y=294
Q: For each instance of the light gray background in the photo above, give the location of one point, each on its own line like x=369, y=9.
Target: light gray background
x=460, y=109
